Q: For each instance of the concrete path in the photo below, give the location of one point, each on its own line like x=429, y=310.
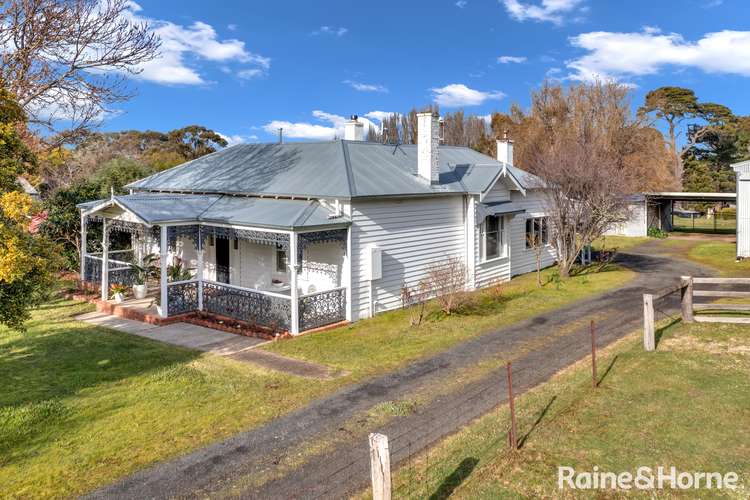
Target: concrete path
x=229, y=467
x=204, y=339
x=179, y=334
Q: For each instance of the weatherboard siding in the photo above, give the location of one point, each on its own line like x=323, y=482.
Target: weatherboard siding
x=499, y=192
x=412, y=234
x=523, y=259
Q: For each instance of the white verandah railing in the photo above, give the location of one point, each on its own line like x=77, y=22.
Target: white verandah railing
x=120, y=271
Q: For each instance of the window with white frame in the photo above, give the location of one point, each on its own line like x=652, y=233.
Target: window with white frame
x=493, y=237
x=537, y=231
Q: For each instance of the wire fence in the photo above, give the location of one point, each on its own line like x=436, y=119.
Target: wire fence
x=424, y=472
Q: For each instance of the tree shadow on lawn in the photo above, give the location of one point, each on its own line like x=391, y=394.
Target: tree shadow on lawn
x=58, y=362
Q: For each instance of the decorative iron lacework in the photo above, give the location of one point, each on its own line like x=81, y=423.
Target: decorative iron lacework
x=261, y=237
x=192, y=231
x=92, y=270
x=121, y=275
x=327, y=236
x=126, y=226
x=322, y=308
x=247, y=305
x=182, y=298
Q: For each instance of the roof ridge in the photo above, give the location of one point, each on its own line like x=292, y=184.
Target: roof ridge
x=303, y=214
x=348, y=169
x=220, y=197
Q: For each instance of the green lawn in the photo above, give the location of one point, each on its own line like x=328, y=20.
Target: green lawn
x=720, y=255
x=704, y=225
x=83, y=406
x=686, y=405
x=619, y=242
x=387, y=341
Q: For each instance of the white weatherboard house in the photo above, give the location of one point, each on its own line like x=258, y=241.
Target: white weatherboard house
x=300, y=235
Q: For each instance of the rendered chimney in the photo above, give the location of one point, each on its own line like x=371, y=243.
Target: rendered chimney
x=505, y=149
x=428, y=140
x=354, y=130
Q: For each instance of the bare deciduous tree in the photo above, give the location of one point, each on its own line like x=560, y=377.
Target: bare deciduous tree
x=535, y=243
x=67, y=59
x=581, y=141
x=447, y=282
x=416, y=299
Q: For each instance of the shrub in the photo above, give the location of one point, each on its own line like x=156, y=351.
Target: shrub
x=447, y=282
x=655, y=232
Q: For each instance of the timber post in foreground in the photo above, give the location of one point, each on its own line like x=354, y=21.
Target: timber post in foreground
x=512, y=434
x=686, y=299
x=649, y=341
x=380, y=467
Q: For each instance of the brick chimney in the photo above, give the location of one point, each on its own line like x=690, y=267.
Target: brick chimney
x=354, y=130
x=428, y=139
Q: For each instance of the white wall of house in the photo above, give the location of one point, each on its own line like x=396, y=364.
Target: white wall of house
x=253, y=265
x=524, y=259
x=490, y=272
x=742, y=172
x=412, y=233
x=323, y=267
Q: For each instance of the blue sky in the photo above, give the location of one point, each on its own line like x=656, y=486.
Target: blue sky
x=244, y=68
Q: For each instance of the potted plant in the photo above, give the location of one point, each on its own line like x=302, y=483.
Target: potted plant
x=178, y=272
x=143, y=272
x=118, y=292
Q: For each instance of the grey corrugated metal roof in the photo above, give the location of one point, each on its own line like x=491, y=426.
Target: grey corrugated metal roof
x=527, y=180
x=159, y=208
x=267, y=212
x=89, y=204
x=336, y=169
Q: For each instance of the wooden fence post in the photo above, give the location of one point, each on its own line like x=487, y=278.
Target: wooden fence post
x=512, y=434
x=649, y=342
x=380, y=467
x=686, y=296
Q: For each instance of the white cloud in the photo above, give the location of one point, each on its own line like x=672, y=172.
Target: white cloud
x=249, y=74
x=331, y=30
x=511, y=59
x=552, y=11
x=234, y=139
x=461, y=4
x=365, y=87
x=612, y=56
x=232, y=27
x=379, y=115
x=199, y=41
x=331, y=126
x=457, y=94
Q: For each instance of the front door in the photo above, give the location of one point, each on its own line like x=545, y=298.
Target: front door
x=222, y=260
